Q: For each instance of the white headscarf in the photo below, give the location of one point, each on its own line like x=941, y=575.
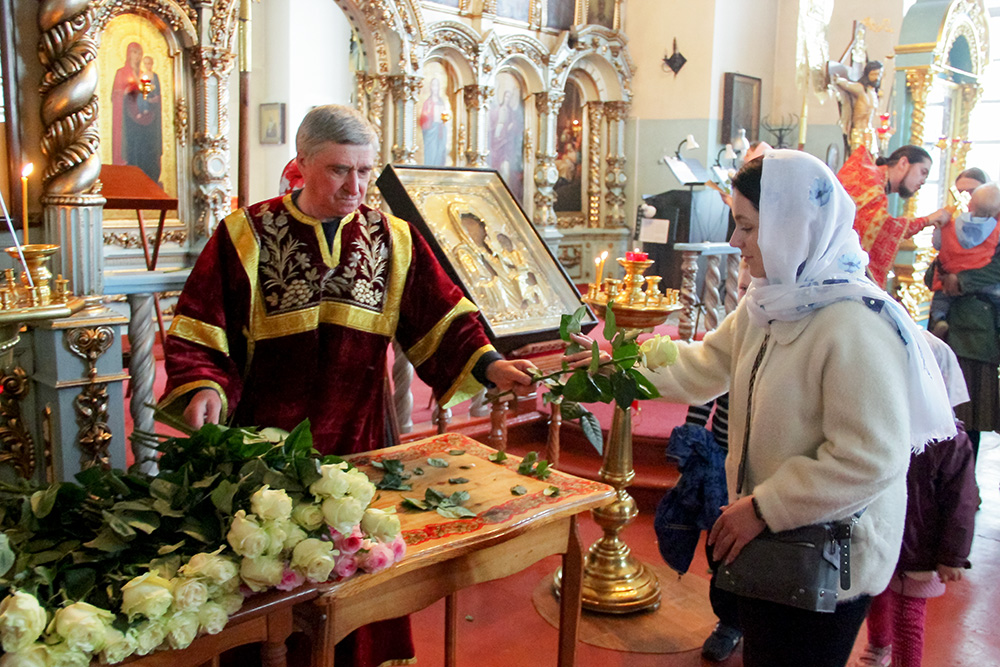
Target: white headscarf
x=812, y=258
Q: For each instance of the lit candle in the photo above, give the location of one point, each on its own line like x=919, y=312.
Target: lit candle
x=28, y=168
x=600, y=267
x=636, y=256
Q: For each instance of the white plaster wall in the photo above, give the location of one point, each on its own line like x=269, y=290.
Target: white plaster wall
x=651, y=26
x=300, y=58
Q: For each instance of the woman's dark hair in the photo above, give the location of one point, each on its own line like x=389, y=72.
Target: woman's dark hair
x=747, y=180
x=913, y=155
x=975, y=173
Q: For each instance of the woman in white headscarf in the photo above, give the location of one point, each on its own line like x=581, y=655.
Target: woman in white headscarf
x=844, y=387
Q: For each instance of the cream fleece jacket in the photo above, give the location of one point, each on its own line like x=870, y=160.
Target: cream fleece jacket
x=830, y=428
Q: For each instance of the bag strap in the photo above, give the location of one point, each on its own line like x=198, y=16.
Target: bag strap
x=741, y=475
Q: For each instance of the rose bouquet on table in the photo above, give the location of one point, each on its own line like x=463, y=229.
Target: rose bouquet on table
x=121, y=563
x=616, y=379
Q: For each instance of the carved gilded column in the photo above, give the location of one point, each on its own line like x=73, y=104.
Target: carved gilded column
x=212, y=67
x=94, y=436
x=595, y=116
x=918, y=82
x=404, y=97
x=476, y=99
x=547, y=105
x=17, y=448
x=615, y=177
x=72, y=203
x=371, y=92
x=971, y=92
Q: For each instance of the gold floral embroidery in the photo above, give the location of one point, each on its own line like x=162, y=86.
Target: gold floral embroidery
x=288, y=277
x=362, y=278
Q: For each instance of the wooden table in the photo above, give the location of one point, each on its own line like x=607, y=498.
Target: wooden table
x=508, y=534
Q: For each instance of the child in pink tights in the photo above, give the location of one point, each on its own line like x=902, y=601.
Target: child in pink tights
x=940, y=517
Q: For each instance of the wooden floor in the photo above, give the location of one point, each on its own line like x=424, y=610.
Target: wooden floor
x=502, y=627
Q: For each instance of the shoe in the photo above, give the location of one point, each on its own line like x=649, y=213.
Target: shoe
x=721, y=643
x=874, y=656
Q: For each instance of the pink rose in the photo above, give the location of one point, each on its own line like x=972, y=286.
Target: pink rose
x=346, y=566
x=349, y=544
x=379, y=557
x=398, y=547
x=290, y=580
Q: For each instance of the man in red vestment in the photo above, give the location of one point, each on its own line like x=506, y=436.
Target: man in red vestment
x=870, y=182
x=290, y=308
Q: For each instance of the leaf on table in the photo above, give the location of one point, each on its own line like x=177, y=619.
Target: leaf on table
x=437, y=463
x=518, y=490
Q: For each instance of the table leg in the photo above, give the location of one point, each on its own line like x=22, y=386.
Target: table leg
x=450, y=630
x=279, y=626
x=571, y=596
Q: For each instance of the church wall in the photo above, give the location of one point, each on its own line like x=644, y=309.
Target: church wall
x=300, y=58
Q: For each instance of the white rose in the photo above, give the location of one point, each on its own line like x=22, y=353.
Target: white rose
x=660, y=352
x=271, y=504
x=314, y=559
x=277, y=533
x=360, y=486
x=213, y=617
x=33, y=655
x=148, y=635
x=149, y=595
x=333, y=482
x=182, y=628
x=220, y=570
x=261, y=573
x=22, y=621
x=382, y=525
x=117, y=646
x=231, y=602
x=295, y=535
x=246, y=537
x=342, y=514
x=83, y=626
x=64, y=655
x=189, y=594
x=308, y=515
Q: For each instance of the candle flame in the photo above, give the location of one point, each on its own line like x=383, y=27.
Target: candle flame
x=597, y=261
x=604, y=255
x=28, y=168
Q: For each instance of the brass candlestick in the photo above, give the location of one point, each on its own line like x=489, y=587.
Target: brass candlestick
x=614, y=581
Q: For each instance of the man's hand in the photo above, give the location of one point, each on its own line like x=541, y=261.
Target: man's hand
x=511, y=376
x=583, y=359
x=950, y=284
x=205, y=407
x=737, y=526
x=940, y=217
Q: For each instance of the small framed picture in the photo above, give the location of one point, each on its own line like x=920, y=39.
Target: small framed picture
x=272, y=123
x=740, y=107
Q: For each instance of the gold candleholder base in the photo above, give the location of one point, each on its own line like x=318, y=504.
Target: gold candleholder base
x=614, y=581
x=635, y=308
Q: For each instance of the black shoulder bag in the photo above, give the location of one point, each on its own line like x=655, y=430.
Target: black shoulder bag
x=801, y=567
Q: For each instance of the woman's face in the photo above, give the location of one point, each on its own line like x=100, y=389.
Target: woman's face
x=745, y=236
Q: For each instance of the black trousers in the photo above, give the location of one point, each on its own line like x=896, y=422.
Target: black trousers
x=724, y=604
x=776, y=635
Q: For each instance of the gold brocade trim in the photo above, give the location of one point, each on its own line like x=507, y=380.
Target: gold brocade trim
x=466, y=386
x=324, y=246
x=398, y=663
x=428, y=345
x=199, y=332
x=264, y=326
x=167, y=403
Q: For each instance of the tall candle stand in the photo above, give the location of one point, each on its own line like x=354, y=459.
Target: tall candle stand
x=614, y=581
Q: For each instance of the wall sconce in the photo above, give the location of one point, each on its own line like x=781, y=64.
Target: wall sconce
x=689, y=140
x=675, y=61
x=730, y=154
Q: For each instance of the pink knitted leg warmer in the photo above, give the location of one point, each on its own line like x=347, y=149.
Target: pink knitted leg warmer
x=908, y=631
x=880, y=620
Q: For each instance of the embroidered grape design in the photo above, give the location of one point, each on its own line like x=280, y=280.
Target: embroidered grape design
x=298, y=293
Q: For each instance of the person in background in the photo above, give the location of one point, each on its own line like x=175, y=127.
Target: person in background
x=288, y=313
x=869, y=183
x=968, y=242
x=941, y=503
x=831, y=383
x=726, y=636
x=973, y=330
